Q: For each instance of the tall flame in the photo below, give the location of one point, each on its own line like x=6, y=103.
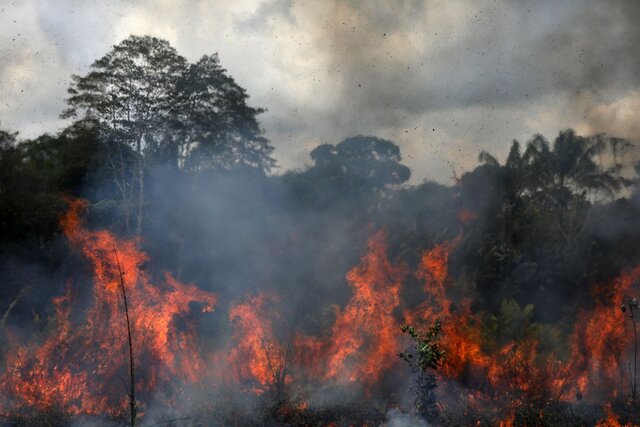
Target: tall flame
x=364, y=337
x=81, y=366
x=602, y=337
x=256, y=355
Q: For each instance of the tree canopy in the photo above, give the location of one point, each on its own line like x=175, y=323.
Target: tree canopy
x=145, y=97
x=361, y=160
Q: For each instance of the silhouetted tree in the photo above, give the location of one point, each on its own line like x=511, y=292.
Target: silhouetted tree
x=128, y=94
x=217, y=127
x=362, y=168
x=144, y=96
x=362, y=161
x=541, y=202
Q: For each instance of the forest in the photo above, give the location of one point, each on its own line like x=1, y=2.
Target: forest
x=155, y=270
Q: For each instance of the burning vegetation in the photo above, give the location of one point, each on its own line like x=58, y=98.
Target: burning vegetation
x=80, y=367
x=475, y=374
x=151, y=281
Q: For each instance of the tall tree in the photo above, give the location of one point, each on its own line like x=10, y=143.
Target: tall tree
x=573, y=165
x=217, y=126
x=146, y=98
x=562, y=178
x=128, y=93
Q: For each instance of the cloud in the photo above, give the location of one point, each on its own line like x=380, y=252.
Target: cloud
x=478, y=72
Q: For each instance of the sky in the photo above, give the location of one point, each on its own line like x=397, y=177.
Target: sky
x=443, y=79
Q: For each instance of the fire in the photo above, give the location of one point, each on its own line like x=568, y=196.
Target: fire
x=34, y=382
x=611, y=420
x=362, y=343
x=461, y=340
x=508, y=421
x=514, y=369
x=256, y=355
x=602, y=337
x=598, y=344
x=79, y=367
x=364, y=338
x=433, y=271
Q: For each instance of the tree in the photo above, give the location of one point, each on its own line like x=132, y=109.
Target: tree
x=8, y=159
x=361, y=167
x=574, y=163
x=37, y=174
x=145, y=97
x=362, y=161
x=7, y=139
x=217, y=127
x=128, y=94
x=11, y=171
x=632, y=306
x=562, y=181
x=571, y=166
x=542, y=198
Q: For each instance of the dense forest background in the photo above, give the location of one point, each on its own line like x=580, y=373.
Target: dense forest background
x=173, y=152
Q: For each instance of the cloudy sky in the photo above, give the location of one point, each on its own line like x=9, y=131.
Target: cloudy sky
x=444, y=79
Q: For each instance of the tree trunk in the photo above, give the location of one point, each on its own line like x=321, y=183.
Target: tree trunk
x=140, y=185
x=140, y=197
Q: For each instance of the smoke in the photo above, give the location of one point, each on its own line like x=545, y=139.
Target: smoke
x=447, y=78
x=443, y=80
x=417, y=56
x=397, y=418
x=474, y=72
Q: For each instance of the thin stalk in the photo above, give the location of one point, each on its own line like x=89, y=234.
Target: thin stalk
x=285, y=368
x=132, y=388
x=278, y=375
x=635, y=355
x=630, y=377
x=263, y=344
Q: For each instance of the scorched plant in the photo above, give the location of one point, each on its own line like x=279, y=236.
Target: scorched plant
x=424, y=356
x=632, y=306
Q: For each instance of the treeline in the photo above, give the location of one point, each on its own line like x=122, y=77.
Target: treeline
x=172, y=152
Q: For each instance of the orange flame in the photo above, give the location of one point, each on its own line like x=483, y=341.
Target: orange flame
x=601, y=338
x=364, y=338
x=256, y=354
x=508, y=421
x=79, y=368
x=611, y=420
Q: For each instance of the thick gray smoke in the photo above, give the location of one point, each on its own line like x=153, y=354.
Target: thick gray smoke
x=442, y=79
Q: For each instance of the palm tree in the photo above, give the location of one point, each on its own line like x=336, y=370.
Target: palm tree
x=561, y=181
x=567, y=178
x=573, y=165
x=541, y=201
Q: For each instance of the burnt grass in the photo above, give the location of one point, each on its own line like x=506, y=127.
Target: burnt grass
x=354, y=414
